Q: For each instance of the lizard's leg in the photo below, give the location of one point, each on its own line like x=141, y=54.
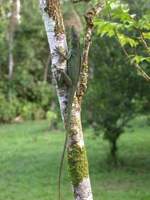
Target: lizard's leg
x=62, y=52
x=65, y=55
x=69, y=54
x=63, y=78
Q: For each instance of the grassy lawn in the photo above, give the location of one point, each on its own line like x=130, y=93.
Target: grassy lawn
x=30, y=155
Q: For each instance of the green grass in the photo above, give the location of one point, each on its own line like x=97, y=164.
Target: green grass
x=30, y=155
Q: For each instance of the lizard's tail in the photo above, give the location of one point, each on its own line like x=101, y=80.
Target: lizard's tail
x=61, y=167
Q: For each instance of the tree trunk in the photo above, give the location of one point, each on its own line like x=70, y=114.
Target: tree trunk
x=113, y=151
x=14, y=21
x=10, y=57
x=76, y=153
x=77, y=159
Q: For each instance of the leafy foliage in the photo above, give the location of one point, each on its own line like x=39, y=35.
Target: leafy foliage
x=130, y=31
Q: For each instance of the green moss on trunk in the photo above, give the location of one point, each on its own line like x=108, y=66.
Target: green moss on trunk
x=78, y=165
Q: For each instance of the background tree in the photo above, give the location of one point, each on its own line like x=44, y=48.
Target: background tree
x=110, y=98
x=31, y=95
x=115, y=89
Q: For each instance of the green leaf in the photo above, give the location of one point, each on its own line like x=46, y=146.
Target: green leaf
x=106, y=27
x=146, y=35
x=124, y=40
x=144, y=22
x=138, y=59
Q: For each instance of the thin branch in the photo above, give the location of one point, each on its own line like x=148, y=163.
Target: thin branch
x=137, y=66
x=141, y=38
x=89, y=17
x=144, y=42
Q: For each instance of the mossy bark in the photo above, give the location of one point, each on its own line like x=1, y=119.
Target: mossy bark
x=77, y=157
x=78, y=164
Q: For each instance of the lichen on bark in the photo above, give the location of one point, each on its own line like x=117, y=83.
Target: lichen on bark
x=78, y=164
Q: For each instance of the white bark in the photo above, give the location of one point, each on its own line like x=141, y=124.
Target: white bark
x=82, y=191
x=10, y=62
x=55, y=42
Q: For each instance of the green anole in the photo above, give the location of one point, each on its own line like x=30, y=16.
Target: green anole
x=72, y=78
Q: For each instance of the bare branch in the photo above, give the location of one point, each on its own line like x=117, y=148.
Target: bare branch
x=89, y=17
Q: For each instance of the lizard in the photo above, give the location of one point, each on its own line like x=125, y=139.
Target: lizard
x=72, y=77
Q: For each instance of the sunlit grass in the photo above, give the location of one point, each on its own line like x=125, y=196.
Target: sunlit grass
x=30, y=155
